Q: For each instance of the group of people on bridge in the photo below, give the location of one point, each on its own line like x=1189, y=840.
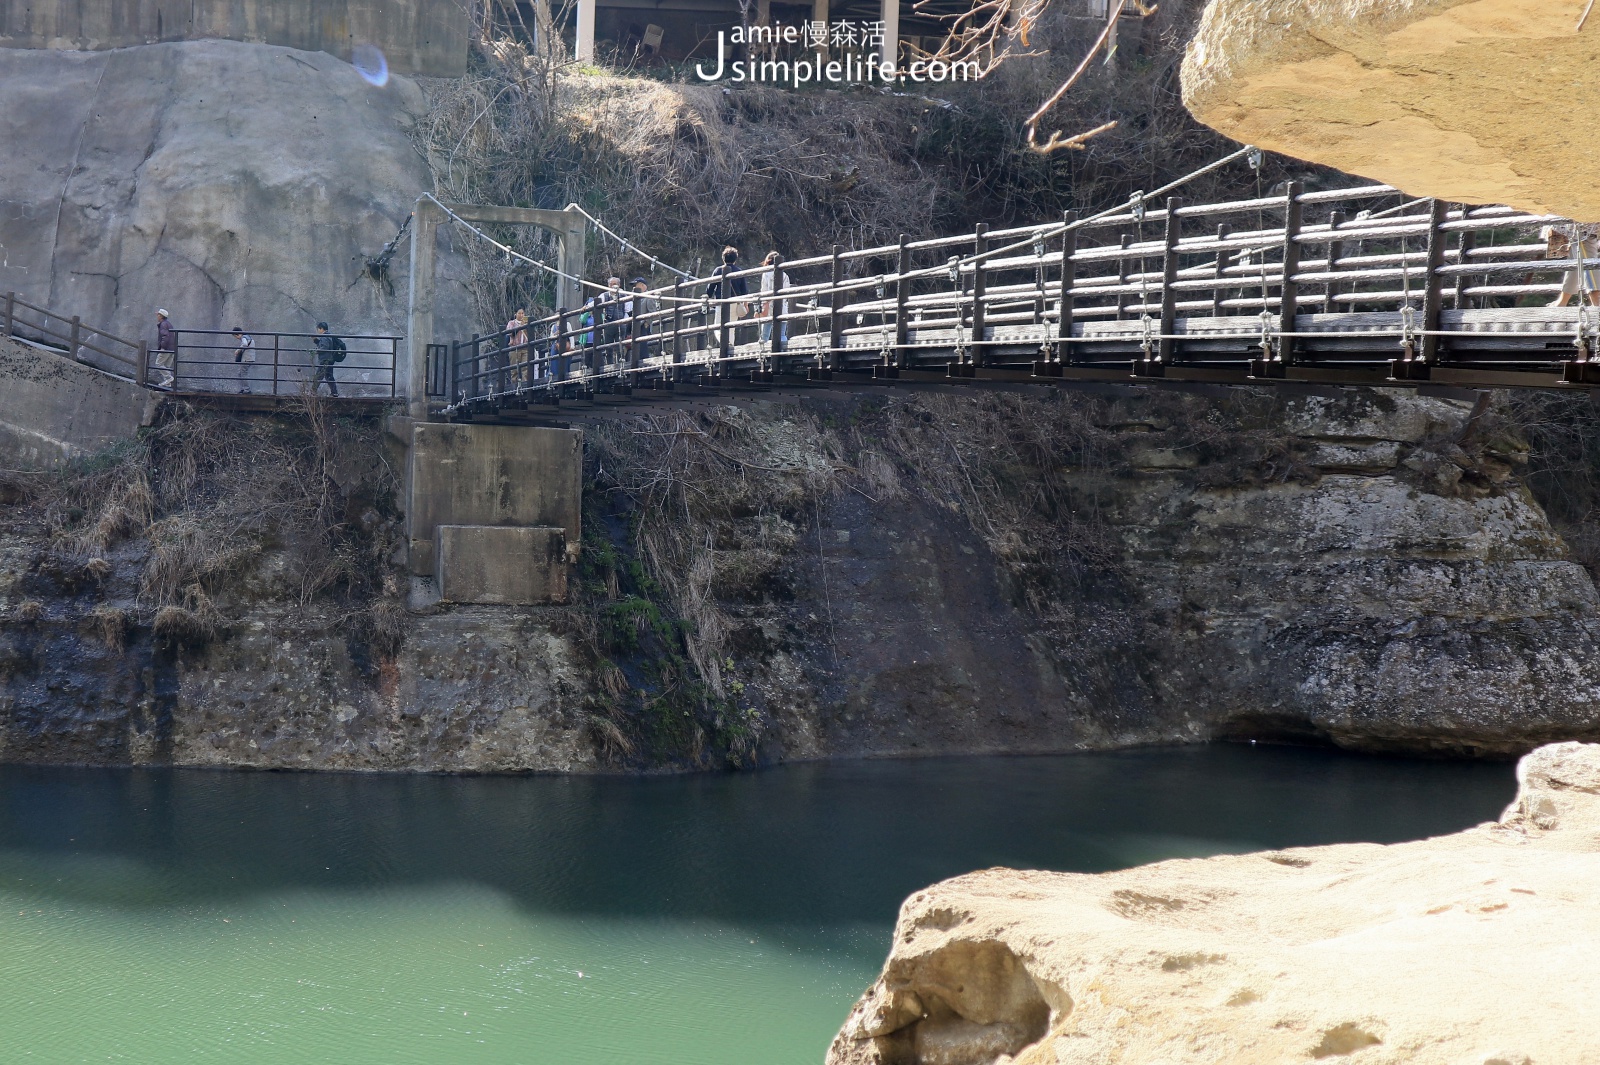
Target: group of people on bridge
x=608, y=320
x=328, y=350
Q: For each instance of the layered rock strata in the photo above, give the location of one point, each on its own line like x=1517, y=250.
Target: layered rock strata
x=1362, y=568
x=1470, y=949
x=1468, y=100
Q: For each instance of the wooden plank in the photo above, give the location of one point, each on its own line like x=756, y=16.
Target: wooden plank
x=1289, y=298
x=1433, y=295
x=1351, y=375
x=1169, y=276
x=1203, y=375
x=902, y=290
x=1465, y=376
x=980, y=272
x=1069, y=244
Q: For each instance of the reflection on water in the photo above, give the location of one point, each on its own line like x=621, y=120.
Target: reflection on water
x=279, y=917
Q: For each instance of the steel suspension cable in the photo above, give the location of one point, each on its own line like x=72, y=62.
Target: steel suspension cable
x=972, y=260
x=628, y=245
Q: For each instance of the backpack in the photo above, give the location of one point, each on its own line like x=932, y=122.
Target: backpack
x=339, y=350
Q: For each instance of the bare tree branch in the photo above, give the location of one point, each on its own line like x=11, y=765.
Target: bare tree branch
x=1057, y=141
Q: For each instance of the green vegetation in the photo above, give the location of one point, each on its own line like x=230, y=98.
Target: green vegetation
x=653, y=706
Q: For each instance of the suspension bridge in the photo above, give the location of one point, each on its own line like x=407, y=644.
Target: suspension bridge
x=1355, y=286
x=1359, y=286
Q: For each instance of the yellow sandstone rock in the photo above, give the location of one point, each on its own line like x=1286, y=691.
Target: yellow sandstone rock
x=1480, y=101
x=1472, y=949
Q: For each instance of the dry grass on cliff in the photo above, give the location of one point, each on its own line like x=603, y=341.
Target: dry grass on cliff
x=709, y=490
x=1562, y=430
x=203, y=507
x=680, y=169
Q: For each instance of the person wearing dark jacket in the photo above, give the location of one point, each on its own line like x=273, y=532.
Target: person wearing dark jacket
x=166, y=350
x=734, y=288
x=639, y=304
x=330, y=349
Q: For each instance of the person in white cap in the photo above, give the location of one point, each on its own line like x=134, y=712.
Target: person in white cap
x=166, y=349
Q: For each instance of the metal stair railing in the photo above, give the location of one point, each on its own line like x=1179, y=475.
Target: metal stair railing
x=129, y=359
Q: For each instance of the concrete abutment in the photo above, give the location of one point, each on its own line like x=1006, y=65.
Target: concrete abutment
x=494, y=512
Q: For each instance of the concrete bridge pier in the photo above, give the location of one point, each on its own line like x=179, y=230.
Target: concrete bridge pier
x=493, y=512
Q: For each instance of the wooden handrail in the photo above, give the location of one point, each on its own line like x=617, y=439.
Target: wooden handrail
x=70, y=332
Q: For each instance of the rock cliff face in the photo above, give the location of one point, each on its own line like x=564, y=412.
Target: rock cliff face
x=229, y=183
x=1460, y=99
x=1329, y=568
x=1469, y=949
x=925, y=575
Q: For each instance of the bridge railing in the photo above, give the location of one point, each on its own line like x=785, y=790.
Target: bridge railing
x=81, y=342
x=1346, y=275
x=216, y=362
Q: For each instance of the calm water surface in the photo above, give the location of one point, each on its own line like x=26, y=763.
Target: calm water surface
x=152, y=916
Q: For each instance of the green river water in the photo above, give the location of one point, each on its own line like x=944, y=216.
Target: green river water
x=160, y=916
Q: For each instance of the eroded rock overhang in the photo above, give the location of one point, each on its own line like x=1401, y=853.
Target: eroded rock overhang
x=1475, y=101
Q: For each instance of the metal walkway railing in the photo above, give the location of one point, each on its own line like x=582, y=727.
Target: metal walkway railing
x=1350, y=286
x=205, y=364
x=217, y=362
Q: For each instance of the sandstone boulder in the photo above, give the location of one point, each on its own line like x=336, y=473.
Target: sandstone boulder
x=229, y=183
x=1472, y=949
x=1481, y=101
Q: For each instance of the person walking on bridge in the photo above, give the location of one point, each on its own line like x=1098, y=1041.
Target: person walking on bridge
x=330, y=349
x=590, y=311
x=517, y=349
x=640, y=304
x=734, y=288
x=774, y=279
x=244, y=353
x=166, y=350
x=560, y=344
x=612, y=311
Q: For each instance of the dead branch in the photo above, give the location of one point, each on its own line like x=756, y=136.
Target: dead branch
x=1057, y=141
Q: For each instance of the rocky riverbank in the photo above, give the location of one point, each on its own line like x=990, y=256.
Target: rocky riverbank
x=1462, y=949
x=922, y=574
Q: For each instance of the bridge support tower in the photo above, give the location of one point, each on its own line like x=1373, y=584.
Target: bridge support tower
x=569, y=226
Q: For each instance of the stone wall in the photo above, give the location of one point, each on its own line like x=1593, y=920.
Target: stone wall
x=910, y=576
x=417, y=36
x=52, y=408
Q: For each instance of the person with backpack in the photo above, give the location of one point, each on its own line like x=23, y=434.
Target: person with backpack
x=639, y=305
x=612, y=311
x=735, y=287
x=330, y=349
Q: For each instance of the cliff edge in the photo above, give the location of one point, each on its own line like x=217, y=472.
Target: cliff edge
x=1471, y=949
